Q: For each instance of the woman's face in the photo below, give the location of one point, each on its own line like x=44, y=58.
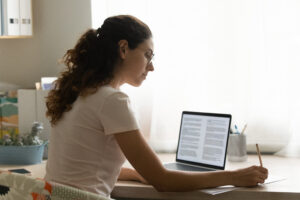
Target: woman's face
x=136, y=63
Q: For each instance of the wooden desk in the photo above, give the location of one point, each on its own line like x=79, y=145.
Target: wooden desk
x=37, y=171
x=278, y=166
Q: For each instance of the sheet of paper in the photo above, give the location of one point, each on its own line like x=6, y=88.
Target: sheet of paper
x=219, y=190
x=223, y=189
x=273, y=179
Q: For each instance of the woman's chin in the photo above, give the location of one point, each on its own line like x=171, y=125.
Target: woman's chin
x=136, y=83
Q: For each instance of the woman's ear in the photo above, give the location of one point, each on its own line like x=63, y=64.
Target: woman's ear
x=123, y=48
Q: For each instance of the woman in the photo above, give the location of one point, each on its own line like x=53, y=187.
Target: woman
x=94, y=127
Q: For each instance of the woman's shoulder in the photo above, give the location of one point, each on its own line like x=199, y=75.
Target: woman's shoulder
x=104, y=96
x=110, y=99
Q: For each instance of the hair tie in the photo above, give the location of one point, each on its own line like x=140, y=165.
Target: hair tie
x=98, y=32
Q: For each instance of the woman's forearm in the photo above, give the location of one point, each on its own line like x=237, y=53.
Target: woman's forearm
x=186, y=181
x=181, y=181
x=128, y=174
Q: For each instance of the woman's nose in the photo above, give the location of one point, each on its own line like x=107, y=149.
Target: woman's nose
x=150, y=67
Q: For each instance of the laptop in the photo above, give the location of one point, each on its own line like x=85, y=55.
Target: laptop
x=202, y=143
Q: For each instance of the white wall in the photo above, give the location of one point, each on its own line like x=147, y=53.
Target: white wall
x=57, y=24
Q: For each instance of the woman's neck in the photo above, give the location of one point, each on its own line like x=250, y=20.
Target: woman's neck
x=116, y=83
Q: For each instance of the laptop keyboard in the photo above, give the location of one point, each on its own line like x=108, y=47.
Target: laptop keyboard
x=183, y=167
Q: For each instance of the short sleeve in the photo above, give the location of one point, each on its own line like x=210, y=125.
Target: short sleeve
x=117, y=115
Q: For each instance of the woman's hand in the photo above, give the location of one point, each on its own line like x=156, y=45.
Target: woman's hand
x=250, y=176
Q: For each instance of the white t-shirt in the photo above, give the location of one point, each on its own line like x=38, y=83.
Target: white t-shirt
x=83, y=151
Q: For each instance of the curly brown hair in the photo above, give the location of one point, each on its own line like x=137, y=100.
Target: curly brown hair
x=91, y=63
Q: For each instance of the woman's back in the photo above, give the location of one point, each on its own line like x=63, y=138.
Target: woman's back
x=83, y=152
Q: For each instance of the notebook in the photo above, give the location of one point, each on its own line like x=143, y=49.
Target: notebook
x=202, y=142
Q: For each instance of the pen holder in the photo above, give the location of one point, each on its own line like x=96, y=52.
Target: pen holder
x=237, y=148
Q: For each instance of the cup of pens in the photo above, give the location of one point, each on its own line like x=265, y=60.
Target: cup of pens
x=237, y=146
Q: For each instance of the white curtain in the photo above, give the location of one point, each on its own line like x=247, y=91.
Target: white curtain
x=226, y=56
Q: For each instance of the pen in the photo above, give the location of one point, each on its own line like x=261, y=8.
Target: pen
x=259, y=156
x=244, y=129
x=236, y=128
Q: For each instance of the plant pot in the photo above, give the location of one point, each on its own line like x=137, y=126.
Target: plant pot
x=21, y=155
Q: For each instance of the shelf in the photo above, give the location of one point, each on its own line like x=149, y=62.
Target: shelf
x=15, y=36
x=16, y=19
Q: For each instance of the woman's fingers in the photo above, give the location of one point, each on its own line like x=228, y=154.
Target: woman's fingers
x=251, y=176
x=261, y=180
x=264, y=172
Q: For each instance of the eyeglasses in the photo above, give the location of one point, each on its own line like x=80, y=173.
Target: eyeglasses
x=150, y=56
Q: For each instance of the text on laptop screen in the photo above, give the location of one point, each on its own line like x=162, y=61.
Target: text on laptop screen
x=203, y=139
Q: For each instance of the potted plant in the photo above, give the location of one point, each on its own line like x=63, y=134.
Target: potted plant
x=22, y=150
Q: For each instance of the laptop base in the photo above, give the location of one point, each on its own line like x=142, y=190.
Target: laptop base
x=183, y=167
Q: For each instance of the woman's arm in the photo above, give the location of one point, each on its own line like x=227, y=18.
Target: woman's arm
x=128, y=174
x=145, y=161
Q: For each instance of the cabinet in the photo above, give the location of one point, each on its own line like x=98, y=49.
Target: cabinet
x=15, y=18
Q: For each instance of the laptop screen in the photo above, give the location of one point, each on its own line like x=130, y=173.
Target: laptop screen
x=203, y=139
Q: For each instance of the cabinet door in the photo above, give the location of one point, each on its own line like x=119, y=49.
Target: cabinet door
x=25, y=17
x=11, y=17
x=1, y=18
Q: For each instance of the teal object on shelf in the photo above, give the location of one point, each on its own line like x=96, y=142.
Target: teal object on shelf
x=22, y=155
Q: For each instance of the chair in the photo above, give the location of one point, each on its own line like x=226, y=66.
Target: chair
x=23, y=187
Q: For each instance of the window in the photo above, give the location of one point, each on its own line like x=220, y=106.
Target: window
x=234, y=56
